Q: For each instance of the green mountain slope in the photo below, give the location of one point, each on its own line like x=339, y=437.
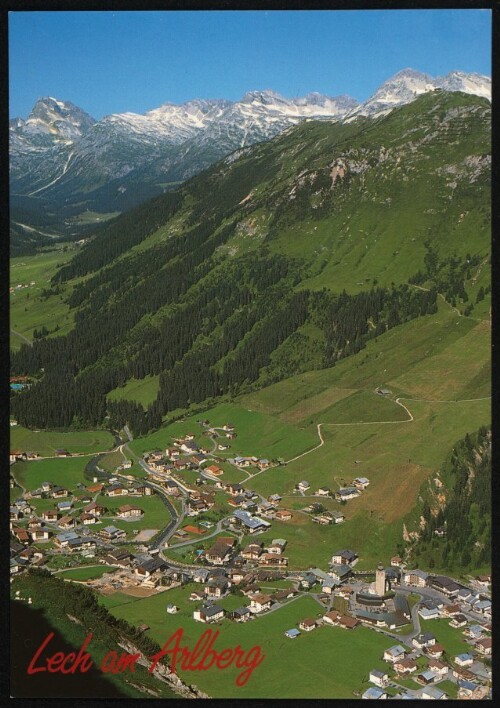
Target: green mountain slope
x=288, y=256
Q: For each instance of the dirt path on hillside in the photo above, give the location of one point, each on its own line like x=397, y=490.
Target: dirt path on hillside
x=398, y=400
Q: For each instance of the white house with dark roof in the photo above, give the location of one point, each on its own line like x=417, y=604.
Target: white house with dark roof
x=208, y=614
x=379, y=678
x=393, y=653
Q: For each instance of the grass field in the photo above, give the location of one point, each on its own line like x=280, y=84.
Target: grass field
x=388, y=454
x=143, y=391
x=155, y=516
x=452, y=639
x=46, y=443
x=311, y=544
x=27, y=310
x=324, y=663
x=111, y=461
x=66, y=472
x=361, y=407
x=86, y=573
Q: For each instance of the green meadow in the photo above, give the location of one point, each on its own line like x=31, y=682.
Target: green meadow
x=28, y=310
x=143, y=391
x=45, y=443
x=83, y=574
x=326, y=662
x=66, y=472
x=156, y=515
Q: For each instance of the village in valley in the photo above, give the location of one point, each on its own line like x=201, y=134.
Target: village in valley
x=181, y=528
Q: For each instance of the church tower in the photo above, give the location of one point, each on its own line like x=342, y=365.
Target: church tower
x=380, y=581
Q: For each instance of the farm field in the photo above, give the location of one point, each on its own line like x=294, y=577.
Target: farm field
x=326, y=662
x=143, y=391
x=45, y=443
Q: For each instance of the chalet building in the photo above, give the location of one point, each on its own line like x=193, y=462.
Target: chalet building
x=331, y=617
x=66, y=522
x=252, y=551
x=127, y=511
x=435, y=651
x=424, y=640
x=95, y=509
x=235, y=489
x=171, y=488
x=484, y=646
x=236, y=502
x=141, y=490
x=417, y=578
x=65, y=506
x=214, y=470
x=394, y=653
x=443, y=584
x=208, y=614
x=374, y=693
x=332, y=517
x=405, y=667
x=379, y=678
x=216, y=587
x=360, y=483
x=344, y=557
x=260, y=603
x=220, y=552
x=111, y=533
x=465, y=659
x=339, y=573
x=346, y=493
x=307, y=625
x=324, y=492
x=241, y=614
x=88, y=519
x=38, y=533
x=151, y=567
x=283, y=515
x=272, y=559
x=252, y=524
x=116, y=490
x=59, y=492
x=50, y=515
x=21, y=534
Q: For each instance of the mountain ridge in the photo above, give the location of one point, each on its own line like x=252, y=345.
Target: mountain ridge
x=65, y=162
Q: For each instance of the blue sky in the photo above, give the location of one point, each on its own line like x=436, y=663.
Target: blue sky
x=111, y=62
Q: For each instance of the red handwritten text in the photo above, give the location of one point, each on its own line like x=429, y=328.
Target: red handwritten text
x=60, y=662
x=204, y=657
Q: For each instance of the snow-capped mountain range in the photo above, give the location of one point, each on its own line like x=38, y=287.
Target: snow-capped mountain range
x=62, y=157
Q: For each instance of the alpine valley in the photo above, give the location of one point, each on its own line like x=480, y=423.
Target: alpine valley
x=290, y=342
